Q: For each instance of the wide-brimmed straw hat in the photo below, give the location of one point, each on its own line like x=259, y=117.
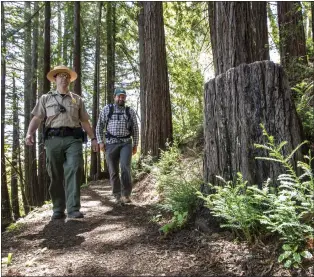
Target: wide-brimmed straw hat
x=51, y=76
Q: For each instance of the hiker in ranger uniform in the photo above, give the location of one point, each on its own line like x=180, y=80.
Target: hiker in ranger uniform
x=65, y=115
x=120, y=125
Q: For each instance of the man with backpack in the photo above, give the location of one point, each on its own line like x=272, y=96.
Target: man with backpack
x=120, y=126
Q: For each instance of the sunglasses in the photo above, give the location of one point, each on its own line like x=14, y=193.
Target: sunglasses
x=64, y=75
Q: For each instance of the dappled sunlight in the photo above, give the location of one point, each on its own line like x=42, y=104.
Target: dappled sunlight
x=91, y=211
x=116, y=240
x=86, y=197
x=107, y=236
x=91, y=204
x=43, y=212
x=101, y=192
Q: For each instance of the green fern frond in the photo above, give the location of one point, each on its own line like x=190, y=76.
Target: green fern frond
x=282, y=144
x=221, y=179
x=295, y=150
x=288, y=178
x=258, y=146
x=269, y=159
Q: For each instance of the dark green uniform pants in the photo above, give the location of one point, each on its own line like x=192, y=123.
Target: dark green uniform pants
x=64, y=166
x=120, y=153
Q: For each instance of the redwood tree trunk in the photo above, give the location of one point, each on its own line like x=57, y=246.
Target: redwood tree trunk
x=236, y=102
x=142, y=66
x=158, y=121
x=231, y=34
x=6, y=217
x=292, y=39
x=71, y=33
x=77, y=48
x=260, y=30
x=110, y=51
x=15, y=151
x=28, y=160
x=37, y=190
x=291, y=31
x=46, y=86
x=66, y=31
x=59, y=47
x=77, y=57
x=312, y=11
x=95, y=156
x=43, y=177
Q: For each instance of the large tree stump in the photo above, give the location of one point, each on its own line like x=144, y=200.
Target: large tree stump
x=236, y=102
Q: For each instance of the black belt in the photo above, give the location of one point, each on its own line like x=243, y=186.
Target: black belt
x=64, y=132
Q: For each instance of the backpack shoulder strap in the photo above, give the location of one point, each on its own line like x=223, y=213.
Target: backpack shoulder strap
x=111, y=108
x=130, y=121
x=127, y=111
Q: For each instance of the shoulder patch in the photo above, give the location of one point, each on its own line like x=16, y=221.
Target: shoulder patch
x=46, y=95
x=76, y=95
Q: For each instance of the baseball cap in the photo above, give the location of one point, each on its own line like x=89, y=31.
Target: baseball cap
x=119, y=91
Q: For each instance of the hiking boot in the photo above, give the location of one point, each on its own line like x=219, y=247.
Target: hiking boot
x=117, y=201
x=75, y=214
x=126, y=199
x=57, y=215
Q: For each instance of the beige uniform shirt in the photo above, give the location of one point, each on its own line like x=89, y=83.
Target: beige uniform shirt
x=47, y=105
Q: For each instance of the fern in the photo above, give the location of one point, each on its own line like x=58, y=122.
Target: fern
x=304, y=96
x=290, y=210
x=177, y=186
x=285, y=209
x=236, y=205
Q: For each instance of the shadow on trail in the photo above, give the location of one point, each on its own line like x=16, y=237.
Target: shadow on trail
x=146, y=251
x=67, y=233
x=59, y=234
x=116, y=240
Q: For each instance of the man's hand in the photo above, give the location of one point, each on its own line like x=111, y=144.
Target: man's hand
x=29, y=140
x=95, y=145
x=33, y=126
x=102, y=147
x=134, y=150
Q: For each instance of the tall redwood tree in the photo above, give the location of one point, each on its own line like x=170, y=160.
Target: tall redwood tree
x=158, y=122
x=77, y=48
x=292, y=39
x=6, y=216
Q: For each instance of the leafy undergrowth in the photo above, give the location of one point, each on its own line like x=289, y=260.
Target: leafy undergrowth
x=285, y=209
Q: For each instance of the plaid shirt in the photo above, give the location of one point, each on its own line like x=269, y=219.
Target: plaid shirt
x=117, y=125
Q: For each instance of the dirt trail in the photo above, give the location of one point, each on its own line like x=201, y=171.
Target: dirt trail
x=123, y=241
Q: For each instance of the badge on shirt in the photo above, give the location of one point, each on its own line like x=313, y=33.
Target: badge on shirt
x=73, y=99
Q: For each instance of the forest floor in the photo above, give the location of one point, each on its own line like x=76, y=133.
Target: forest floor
x=124, y=241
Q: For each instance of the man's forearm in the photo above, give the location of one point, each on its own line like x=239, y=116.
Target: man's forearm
x=100, y=128
x=86, y=126
x=33, y=125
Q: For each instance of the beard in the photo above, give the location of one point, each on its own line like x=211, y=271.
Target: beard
x=121, y=103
